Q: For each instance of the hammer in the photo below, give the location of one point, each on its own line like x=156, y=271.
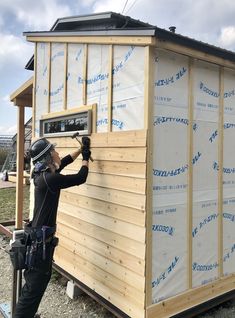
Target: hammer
x=75, y=135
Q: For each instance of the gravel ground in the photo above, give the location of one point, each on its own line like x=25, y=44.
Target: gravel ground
x=56, y=303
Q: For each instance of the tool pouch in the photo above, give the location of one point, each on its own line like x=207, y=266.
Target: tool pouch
x=17, y=256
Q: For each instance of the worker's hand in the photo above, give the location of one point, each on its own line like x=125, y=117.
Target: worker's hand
x=86, y=142
x=86, y=154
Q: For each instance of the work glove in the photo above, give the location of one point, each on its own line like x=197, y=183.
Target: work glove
x=86, y=142
x=86, y=154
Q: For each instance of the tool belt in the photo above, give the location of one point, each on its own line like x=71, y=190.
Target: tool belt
x=28, y=251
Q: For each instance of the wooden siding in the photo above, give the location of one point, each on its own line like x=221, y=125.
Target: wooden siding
x=101, y=224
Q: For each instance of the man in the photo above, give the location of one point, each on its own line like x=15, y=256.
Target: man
x=40, y=231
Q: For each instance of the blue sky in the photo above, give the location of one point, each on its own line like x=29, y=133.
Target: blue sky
x=210, y=21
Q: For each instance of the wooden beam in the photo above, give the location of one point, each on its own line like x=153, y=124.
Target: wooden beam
x=25, y=101
x=126, y=40
x=67, y=112
x=85, y=67
x=65, y=75
x=49, y=79
x=148, y=124
x=20, y=168
x=220, y=172
x=110, y=88
x=166, y=45
x=34, y=89
x=190, y=172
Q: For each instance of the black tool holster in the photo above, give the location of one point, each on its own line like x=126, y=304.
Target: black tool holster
x=38, y=241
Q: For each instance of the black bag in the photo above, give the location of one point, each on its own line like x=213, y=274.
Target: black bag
x=18, y=256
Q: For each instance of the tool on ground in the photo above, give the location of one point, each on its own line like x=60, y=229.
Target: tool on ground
x=75, y=136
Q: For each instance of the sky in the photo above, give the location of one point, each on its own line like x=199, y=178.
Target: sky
x=210, y=21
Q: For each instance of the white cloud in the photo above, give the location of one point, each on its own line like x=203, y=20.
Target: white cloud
x=36, y=15
x=6, y=98
x=4, y=130
x=109, y=5
x=14, y=50
x=227, y=37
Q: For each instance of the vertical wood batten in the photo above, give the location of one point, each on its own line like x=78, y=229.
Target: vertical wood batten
x=65, y=75
x=110, y=88
x=20, y=168
x=85, y=67
x=34, y=90
x=220, y=173
x=49, y=79
x=190, y=171
x=148, y=124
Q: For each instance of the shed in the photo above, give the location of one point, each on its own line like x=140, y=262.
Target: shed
x=151, y=233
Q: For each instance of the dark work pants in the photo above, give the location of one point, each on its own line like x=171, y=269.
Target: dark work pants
x=36, y=281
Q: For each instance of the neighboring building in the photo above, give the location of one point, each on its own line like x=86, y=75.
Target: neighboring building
x=5, y=141
x=10, y=162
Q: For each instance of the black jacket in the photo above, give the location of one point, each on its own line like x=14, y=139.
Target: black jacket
x=47, y=191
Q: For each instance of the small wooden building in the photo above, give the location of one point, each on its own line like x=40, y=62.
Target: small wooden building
x=152, y=232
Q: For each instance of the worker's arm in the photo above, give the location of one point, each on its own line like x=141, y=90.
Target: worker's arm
x=76, y=153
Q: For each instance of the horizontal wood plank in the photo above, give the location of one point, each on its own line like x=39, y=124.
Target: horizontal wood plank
x=117, y=211
x=131, y=262
x=123, y=183
x=119, y=168
x=131, y=283
x=110, y=154
x=98, y=280
x=124, y=139
x=129, y=230
x=129, y=199
x=118, y=241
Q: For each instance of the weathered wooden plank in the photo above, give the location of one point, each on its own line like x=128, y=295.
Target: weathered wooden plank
x=117, y=211
x=99, y=281
x=131, y=283
x=129, y=199
x=131, y=262
x=132, y=231
x=123, y=183
x=118, y=241
x=125, y=139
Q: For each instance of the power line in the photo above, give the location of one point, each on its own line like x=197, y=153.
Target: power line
x=125, y=6
x=131, y=6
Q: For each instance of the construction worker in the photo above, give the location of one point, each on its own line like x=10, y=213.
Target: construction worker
x=40, y=231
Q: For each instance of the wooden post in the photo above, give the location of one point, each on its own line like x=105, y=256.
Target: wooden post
x=34, y=91
x=20, y=168
x=85, y=66
x=220, y=173
x=65, y=75
x=148, y=125
x=49, y=80
x=110, y=88
x=190, y=171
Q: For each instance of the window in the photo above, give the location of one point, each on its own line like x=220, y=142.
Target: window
x=67, y=125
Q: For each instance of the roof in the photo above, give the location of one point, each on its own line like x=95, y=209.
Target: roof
x=111, y=24
x=23, y=95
